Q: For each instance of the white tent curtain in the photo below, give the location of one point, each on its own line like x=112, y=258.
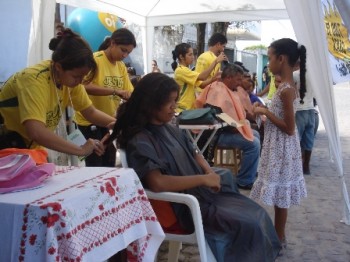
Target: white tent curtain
x=306, y=17
x=308, y=23
x=41, y=30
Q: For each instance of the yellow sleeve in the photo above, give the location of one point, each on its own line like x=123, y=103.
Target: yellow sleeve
x=185, y=75
x=80, y=98
x=33, y=97
x=202, y=63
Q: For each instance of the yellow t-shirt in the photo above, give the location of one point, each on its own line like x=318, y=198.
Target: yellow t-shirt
x=32, y=95
x=108, y=76
x=187, y=80
x=203, y=63
x=272, y=87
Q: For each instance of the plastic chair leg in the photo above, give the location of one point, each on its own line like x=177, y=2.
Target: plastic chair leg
x=174, y=250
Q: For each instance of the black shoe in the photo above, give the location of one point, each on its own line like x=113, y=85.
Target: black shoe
x=246, y=187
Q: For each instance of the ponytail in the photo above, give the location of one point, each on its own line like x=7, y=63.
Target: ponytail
x=105, y=44
x=302, y=58
x=296, y=53
x=174, y=64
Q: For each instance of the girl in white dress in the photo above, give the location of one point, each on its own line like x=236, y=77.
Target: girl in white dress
x=280, y=181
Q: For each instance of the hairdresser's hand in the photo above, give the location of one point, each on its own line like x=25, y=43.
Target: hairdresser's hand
x=124, y=94
x=221, y=57
x=110, y=126
x=212, y=180
x=88, y=147
x=99, y=148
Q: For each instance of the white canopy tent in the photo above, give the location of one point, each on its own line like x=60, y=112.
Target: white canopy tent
x=306, y=18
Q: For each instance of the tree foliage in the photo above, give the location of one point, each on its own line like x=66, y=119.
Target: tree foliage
x=247, y=25
x=221, y=27
x=256, y=47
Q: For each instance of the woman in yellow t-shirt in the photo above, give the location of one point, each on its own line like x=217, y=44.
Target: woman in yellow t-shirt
x=33, y=100
x=110, y=85
x=188, y=79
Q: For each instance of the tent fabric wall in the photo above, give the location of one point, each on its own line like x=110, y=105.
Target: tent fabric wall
x=15, y=24
x=41, y=30
x=308, y=24
x=306, y=17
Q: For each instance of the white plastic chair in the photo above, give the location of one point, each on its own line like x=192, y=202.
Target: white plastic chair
x=175, y=240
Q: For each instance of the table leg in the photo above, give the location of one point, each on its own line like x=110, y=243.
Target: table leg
x=194, y=138
x=198, y=136
x=209, y=140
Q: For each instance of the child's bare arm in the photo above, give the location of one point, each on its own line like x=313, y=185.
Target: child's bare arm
x=286, y=124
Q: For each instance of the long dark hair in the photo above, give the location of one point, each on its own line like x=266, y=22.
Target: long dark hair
x=149, y=95
x=71, y=51
x=295, y=53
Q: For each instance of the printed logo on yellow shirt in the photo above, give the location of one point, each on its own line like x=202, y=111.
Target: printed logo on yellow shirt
x=53, y=117
x=113, y=81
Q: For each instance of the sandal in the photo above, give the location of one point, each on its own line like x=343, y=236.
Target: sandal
x=284, y=247
x=284, y=243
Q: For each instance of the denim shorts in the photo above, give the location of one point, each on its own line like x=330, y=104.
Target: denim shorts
x=305, y=121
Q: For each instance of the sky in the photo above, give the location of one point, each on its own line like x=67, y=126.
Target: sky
x=270, y=30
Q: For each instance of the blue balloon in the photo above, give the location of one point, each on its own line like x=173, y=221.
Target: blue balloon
x=93, y=26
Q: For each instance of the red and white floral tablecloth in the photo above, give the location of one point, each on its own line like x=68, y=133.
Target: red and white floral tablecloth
x=80, y=214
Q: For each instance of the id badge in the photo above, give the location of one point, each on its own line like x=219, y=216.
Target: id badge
x=77, y=138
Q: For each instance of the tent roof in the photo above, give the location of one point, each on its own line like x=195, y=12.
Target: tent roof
x=165, y=12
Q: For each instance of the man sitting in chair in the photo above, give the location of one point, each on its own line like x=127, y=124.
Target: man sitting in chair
x=223, y=94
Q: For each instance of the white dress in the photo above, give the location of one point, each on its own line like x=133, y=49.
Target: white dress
x=280, y=179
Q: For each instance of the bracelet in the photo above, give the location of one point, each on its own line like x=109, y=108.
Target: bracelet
x=114, y=93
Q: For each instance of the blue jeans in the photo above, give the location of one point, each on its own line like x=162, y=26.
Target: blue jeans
x=218, y=244
x=305, y=121
x=250, y=154
x=317, y=120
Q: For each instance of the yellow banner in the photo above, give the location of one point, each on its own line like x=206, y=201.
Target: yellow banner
x=337, y=33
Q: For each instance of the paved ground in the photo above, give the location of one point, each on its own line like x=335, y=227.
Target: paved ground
x=314, y=230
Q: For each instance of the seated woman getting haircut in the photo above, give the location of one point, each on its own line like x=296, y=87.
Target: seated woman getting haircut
x=236, y=228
